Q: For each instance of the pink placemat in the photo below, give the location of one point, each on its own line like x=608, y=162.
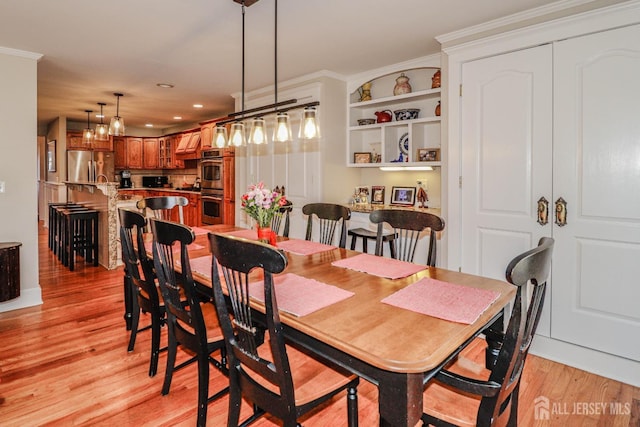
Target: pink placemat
x=245, y=234
x=201, y=265
x=300, y=296
x=448, y=301
x=379, y=266
x=148, y=246
x=303, y=247
x=198, y=230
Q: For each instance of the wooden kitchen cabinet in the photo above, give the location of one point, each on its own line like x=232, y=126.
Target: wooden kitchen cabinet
x=135, y=153
x=192, y=212
x=150, y=153
x=229, y=184
x=120, y=152
x=74, y=142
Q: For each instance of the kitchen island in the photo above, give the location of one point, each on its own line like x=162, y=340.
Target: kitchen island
x=103, y=197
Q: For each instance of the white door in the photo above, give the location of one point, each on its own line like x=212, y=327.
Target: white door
x=506, y=157
x=596, y=265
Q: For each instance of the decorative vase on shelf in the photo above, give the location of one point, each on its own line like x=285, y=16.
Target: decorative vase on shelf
x=435, y=80
x=267, y=235
x=437, y=112
x=365, y=92
x=402, y=85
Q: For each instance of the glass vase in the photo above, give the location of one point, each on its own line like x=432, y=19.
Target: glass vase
x=267, y=235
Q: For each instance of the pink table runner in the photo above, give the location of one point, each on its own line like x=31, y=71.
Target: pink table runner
x=448, y=301
x=201, y=265
x=379, y=266
x=300, y=296
x=303, y=247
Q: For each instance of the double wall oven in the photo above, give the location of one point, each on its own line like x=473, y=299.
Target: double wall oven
x=212, y=193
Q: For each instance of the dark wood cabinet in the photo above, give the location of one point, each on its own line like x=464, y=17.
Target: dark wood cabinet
x=9, y=270
x=74, y=142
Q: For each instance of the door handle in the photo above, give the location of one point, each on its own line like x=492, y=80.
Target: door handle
x=543, y=211
x=561, y=212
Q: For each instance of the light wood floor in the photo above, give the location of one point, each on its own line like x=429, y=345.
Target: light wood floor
x=66, y=363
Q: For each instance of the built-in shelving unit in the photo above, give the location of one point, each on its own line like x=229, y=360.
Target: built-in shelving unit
x=391, y=139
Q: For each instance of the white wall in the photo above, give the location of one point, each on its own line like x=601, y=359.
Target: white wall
x=19, y=168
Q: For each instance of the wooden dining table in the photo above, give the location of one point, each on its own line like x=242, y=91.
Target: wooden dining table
x=396, y=349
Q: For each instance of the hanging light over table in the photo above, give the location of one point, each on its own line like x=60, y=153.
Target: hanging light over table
x=282, y=131
x=102, y=130
x=258, y=133
x=220, y=137
x=116, y=127
x=88, y=133
x=309, y=128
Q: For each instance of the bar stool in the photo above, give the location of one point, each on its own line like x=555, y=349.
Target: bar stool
x=58, y=226
x=54, y=223
x=367, y=234
x=81, y=236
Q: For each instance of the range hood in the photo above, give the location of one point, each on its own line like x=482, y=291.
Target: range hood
x=188, y=145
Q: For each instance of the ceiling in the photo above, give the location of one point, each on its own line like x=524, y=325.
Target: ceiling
x=92, y=49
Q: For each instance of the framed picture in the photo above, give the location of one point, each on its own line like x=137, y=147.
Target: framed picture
x=361, y=157
x=51, y=156
x=428, y=154
x=361, y=195
x=377, y=195
x=403, y=196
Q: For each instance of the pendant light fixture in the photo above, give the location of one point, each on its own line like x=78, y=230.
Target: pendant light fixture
x=282, y=131
x=258, y=133
x=116, y=127
x=238, y=137
x=102, y=130
x=88, y=133
x=309, y=128
x=220, y=136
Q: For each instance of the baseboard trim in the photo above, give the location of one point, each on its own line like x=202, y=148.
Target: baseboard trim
x=603, y=364
x=28, y=298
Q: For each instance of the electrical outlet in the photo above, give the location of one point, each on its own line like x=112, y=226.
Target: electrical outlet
x=1, y=186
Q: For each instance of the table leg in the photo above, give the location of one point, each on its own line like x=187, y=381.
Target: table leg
x=400, y=399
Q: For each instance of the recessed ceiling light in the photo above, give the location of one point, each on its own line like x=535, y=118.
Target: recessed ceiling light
x=177, y=117
x=165, y=85
x=198, y=105
x=149, y=125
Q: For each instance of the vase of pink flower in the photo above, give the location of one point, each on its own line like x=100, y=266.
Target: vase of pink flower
x=262, y=204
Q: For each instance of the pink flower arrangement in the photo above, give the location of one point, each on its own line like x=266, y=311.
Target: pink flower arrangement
x=262, y=204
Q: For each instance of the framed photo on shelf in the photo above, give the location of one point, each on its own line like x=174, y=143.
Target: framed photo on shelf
x=361, y=157
x=361, y=195
x=403, y=196
x=428, y=154
x=377, y=194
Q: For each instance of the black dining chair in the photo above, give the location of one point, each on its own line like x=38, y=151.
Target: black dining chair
x=143, y=293
x=329, y=216
x=407, y=227
x=275, y=376
x=163, y=206
x=282, y=219
x=191, y=318
x=492, y=398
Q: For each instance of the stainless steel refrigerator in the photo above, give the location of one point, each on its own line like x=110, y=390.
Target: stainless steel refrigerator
x=90, y=166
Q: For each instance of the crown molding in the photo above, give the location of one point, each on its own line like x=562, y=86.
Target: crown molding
x=20, y=53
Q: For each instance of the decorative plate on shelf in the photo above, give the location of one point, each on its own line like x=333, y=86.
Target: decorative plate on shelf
x=403, y=144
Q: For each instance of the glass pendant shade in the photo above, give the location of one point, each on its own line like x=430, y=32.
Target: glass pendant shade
x=102, y=130
x=258, y=133
x=309, y=128
x=282, y=132
x=87, y=134
x=220, y=137
x=116, y=127
x=237, y=137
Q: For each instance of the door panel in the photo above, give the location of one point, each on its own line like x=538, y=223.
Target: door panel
x=597, y=171
x=506, y=159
